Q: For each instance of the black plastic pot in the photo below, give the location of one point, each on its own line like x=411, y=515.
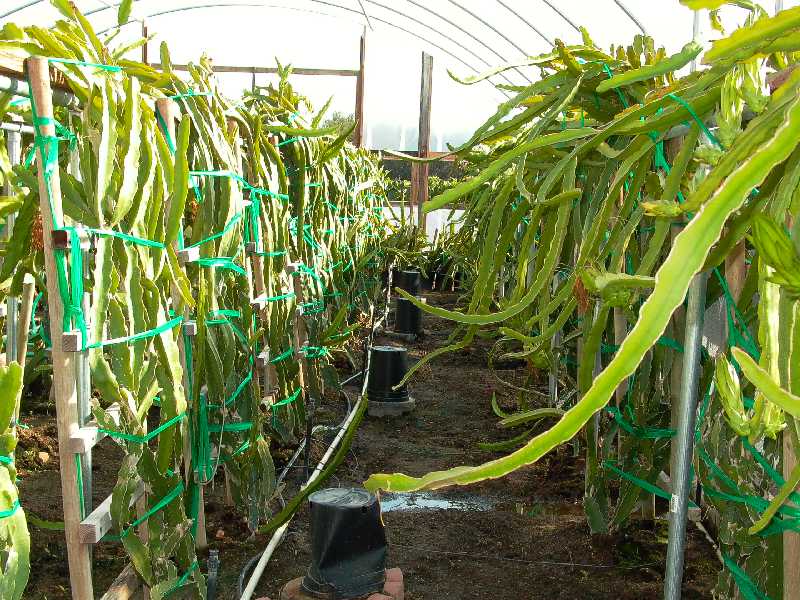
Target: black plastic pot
x=408, y=317
x=348, y=545
x=409, y=280
x=387, y=367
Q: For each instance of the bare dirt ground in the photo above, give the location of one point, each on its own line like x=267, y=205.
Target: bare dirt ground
x=522, y=537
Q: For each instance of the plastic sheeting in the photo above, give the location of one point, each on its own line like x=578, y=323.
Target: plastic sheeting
x=464, y=36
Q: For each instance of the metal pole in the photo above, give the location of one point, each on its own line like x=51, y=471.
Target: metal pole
x=683, y=442
x=680, y=471
x=555, y=349
x=14, y=148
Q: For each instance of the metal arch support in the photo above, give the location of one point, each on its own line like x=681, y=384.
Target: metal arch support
x=562, y=15
x=332, y=4
x=363, y=12
x=345, y=8
x=631, y=16
x=19, y=8
x=524, y=20
x=461, y=29
x=170, y=11
x=366, y=16
x=497, y=31
x=445, y=36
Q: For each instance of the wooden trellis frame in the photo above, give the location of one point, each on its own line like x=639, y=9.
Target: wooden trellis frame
x=76, y=434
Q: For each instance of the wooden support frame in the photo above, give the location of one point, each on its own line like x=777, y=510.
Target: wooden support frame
x=64, y=363
x=73, y=439
x=268, y=70
x=419, y=171
x=98, y=522
x=87, y=437
x=361, y=124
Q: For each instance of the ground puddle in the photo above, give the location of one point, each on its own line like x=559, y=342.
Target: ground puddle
x=422, y=501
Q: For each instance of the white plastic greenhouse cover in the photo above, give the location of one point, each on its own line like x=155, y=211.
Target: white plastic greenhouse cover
x=464, y=36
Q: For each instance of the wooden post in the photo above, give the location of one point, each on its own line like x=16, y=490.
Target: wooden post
x=300, y=333
x=233, y=131
x=361, y=126
x=256, y=265
x=168, y=110
x=64, y=380
x=419, y=171
x=24, y=318
x=791, y=539
x=144, y=47
x=299, y=330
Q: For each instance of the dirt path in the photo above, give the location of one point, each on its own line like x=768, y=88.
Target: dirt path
x=522, y=537
x=518, y=538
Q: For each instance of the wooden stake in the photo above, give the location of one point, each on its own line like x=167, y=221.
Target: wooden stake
x=791, y=540
x=125, y=586
x=64, y=380
x=24, y=318
x=268, y=371
x=144, y=47
x=419, y=171
x=361, y=125
x=299, y=330
x=168, y=110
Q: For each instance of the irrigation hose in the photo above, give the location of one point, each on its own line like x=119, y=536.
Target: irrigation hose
x=341, y=427
x=348, y=428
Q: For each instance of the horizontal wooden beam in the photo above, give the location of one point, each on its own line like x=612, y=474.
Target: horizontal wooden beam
x=12, y=64
x=88, y=436
x=98, y=523
x=446, y=156
x=126, y=586
x=268, y=70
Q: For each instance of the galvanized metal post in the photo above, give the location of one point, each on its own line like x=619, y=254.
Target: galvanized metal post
x=683, y=443
x=555, y=352
x=680, y=471
x=14, y=148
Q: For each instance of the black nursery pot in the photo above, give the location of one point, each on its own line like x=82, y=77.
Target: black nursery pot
x=408, y=317
x=348, y=545
x=409, y=281
x=387, y=367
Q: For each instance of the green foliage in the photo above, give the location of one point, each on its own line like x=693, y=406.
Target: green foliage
x=14, y=537
x=250, y=204
x=537, y=263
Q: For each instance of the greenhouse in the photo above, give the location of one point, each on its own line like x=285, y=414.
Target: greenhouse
x=361, y=299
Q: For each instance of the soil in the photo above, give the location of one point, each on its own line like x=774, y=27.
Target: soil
x=525, y=538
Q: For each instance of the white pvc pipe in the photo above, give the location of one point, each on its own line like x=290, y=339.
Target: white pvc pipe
x=277, y=537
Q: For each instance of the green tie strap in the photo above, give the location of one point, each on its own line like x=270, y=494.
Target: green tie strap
x=228, y=226
x=124, y=237
x=183, y=579
x=221, y=262
x=295, y=395
x=143, y=439
x=285, y=296
x=229, y=427
x=4, y=514
x=282, y=356
x=129, y=339
x=160, y=505
x=80, y=63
